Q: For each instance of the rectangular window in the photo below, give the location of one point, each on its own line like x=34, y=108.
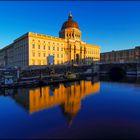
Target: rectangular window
x=33, y=46
x=33, y=54
x=44, y=47
x=57, y=48
x=53, y=48
x=44, y=54
x=48, y=47
x=61, y=55
x=38, y=46
x=58, y=55
x=61, y=49
x=39, y=54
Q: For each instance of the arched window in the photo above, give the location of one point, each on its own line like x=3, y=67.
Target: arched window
x=72, y=34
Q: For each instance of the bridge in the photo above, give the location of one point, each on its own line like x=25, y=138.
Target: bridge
x=120, y=69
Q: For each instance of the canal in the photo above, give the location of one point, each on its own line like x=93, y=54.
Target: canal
x=88, y=108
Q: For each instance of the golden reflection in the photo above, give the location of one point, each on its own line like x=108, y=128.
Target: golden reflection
x=68, y=96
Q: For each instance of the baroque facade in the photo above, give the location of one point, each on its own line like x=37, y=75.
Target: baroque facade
x=34, y=49
x=130, y=55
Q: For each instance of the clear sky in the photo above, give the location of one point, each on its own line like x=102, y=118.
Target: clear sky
x=109, y=24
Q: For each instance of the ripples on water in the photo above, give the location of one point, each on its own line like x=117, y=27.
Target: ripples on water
x=85, y=109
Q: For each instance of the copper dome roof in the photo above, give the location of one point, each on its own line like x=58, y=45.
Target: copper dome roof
x=69, y=23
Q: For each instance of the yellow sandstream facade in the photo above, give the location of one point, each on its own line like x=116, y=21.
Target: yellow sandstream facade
x=34, y=49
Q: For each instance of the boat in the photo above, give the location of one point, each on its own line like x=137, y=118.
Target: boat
x=70, y=76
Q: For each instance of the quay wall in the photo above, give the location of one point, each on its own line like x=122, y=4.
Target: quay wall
x=62, y=69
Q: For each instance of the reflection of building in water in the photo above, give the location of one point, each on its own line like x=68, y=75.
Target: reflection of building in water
x=67, y=96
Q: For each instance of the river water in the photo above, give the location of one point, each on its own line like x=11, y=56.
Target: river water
x=88, y=108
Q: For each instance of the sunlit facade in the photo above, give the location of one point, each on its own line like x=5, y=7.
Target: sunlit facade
x=34, y=49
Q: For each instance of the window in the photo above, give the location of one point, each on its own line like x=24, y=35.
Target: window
x=38, y=46
x=61, y=49
x=44, y=54
x=48, y=47
x=33, y=54
x=53, y=48
x=44, y=47
x=72, y=35
x=57, y=48
x=39, y=54
x=61, y=55
x=58, y=55
x=33, y=46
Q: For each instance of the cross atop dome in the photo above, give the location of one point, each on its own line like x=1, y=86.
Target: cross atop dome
x=70, y=14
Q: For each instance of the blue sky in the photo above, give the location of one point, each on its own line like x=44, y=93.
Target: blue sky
x=109, y=24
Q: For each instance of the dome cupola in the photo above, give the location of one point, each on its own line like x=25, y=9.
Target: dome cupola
x=70, y=23
x=70, y=29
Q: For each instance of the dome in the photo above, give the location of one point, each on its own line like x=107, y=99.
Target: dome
x=69, y=23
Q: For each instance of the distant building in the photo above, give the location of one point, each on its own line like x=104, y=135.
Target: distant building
x=130, y=55
x=34, y=49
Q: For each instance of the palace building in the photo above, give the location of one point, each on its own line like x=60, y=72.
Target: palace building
x=34, y=49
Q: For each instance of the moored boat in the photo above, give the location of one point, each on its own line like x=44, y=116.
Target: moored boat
x=70, y=76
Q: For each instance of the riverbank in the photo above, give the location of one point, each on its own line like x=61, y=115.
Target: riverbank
x=48, y=75
x=47, y=80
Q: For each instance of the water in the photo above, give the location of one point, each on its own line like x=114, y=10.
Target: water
x=85, y=109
